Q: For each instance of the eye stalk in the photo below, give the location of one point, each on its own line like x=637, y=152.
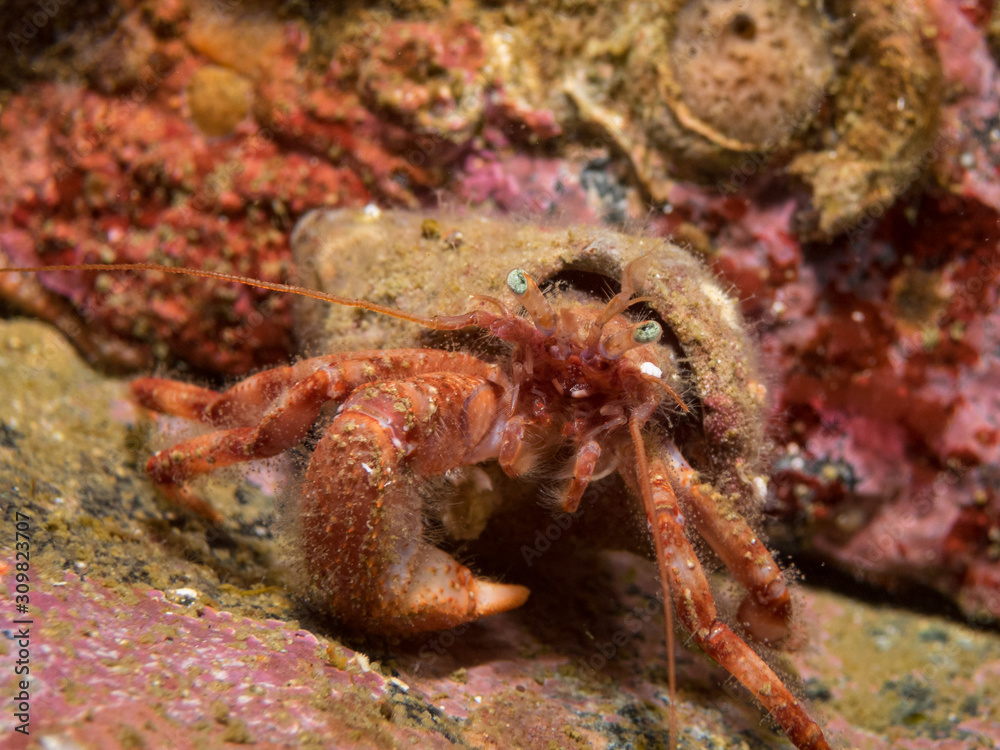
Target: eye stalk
x=633, y=279
x=615, y=345
x=531, y=298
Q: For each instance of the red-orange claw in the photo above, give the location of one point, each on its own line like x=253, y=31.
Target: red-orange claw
x=362, y=520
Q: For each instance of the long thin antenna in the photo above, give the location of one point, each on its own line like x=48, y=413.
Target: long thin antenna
x=642, y=467
x=439, y=322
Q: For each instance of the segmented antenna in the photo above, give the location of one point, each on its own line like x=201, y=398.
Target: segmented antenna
x=437, y=322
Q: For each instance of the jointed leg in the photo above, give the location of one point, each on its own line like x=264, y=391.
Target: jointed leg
x=173, y=397
x=767, y=608
x=273, y=410
x=696, y=609
x=283, y=426
x=246, y=402
x=515, y=458
x=583, y=470
x=587, y=456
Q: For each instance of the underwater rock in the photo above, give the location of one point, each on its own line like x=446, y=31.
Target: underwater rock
x=888, y=425
x=725, y=94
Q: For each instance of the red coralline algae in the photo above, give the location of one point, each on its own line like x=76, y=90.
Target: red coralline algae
x=166, y=171
x=92, y=177
x=111, y=181
x=886, y=404
x=889, y=437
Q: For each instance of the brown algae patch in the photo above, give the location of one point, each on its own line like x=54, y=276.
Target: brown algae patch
x=919, y=298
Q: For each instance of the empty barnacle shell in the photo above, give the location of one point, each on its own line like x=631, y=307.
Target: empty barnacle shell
x=708, y=82
x=846, y=95
x=747, y=74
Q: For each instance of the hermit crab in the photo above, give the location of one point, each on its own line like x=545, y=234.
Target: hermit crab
x=656, y=384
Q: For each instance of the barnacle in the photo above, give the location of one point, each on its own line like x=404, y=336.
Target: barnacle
x=845, y=94
x=748, y=73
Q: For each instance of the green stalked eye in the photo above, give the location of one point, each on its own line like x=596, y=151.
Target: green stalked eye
x=517, y=282
x=647, y=333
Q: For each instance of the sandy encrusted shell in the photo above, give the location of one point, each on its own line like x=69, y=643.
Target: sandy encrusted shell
x=391, y=258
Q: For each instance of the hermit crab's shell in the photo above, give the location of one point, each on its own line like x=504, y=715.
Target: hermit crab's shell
x=432, y=265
